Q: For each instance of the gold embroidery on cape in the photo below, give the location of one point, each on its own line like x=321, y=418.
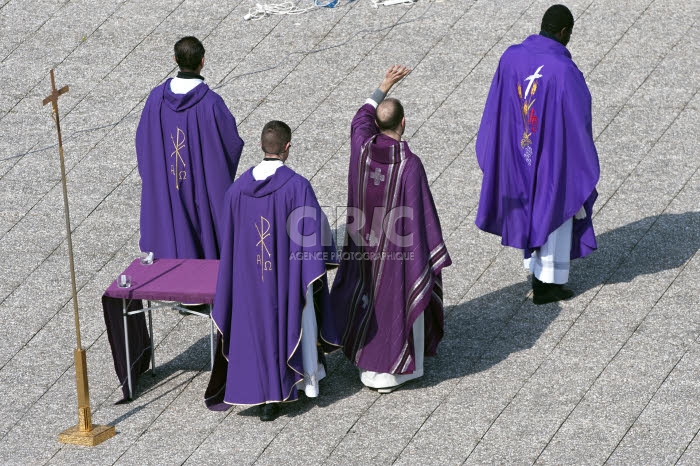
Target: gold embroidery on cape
x=175, y=168
x=263, y=233
x=530, y=119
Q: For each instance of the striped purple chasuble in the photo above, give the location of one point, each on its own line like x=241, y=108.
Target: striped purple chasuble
x=393, y=254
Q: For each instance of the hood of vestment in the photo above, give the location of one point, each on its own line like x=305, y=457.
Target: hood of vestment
x=385, y=149
x=181, y=102
x=254, y=188
x=536, y=44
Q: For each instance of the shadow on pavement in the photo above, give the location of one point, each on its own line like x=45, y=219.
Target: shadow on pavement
x=647, y=246
x=176, y=373
x=484, y=331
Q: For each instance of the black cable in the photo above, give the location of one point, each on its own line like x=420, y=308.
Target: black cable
x=224, y=83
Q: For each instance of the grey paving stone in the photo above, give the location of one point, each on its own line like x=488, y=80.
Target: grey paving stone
x=695, y=102
x=639, y=383
x=502, y=358
x=691, y=453
x=505, y=439
x=23, y=22
x=380, y=434
x=457, y=186
x=343, y=399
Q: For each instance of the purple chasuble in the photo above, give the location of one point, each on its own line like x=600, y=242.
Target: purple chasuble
x=393, y=254
x=187, y=147
x=535, y=148
x=276, y=243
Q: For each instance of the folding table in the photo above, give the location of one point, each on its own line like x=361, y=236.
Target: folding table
x=167, y=283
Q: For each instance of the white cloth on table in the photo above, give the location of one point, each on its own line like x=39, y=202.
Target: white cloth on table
x=385, y=380
x=552, y=261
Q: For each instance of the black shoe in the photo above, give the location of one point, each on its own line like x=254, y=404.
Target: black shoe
x=545, y=293
x=269, y=412
x=537, y=284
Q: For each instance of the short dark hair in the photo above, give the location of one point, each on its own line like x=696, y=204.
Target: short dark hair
x=389, y=114
x=275, y=136
x=556, y=18
x=189, y=52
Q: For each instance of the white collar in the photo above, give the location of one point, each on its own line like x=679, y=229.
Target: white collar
x=266, y=168
x=183, y=86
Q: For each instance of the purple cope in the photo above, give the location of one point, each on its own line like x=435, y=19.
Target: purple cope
x=276, y=243
x=390, y=269
x=535, y=148
x=187, y=147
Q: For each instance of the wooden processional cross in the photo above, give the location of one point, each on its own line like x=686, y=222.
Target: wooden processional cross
x=84, y=433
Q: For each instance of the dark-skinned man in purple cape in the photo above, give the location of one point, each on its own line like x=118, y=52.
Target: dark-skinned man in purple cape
x=272, y=304
x=535, y=148
x=187, y=148
x=388, y=290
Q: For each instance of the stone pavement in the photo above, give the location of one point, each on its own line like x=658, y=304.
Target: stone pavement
x=612, y=376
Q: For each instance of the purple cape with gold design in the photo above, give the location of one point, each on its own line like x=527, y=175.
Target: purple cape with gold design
x=393, y=254
x=276, y=243
x=187, y=147
x=535, y=148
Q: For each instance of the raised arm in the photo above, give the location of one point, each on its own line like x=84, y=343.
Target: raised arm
x=363, y=126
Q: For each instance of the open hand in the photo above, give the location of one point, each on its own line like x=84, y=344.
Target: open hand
x=394, y=74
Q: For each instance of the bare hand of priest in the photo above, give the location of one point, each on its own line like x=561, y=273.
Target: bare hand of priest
x=393, y=75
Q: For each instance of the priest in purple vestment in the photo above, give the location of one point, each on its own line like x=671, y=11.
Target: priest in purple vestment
x=388, y=290
x=535, y=148
x=272, y=303
x=187, y=148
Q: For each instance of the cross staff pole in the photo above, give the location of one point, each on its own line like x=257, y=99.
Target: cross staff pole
x=84, y=433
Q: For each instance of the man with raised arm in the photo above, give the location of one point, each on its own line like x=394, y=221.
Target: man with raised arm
x=187, y=148
x=272, y=303
x=535, y=148
x=388, y=290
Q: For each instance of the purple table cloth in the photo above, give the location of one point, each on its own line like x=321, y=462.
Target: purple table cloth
x=180, y=280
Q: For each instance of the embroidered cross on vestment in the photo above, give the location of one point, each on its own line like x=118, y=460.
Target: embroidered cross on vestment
x=377, y=176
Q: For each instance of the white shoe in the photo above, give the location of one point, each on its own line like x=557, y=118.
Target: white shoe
x=386, y=390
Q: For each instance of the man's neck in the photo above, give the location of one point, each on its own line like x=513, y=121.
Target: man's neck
x=392, y=134
x=549, y=35
x=187, y=74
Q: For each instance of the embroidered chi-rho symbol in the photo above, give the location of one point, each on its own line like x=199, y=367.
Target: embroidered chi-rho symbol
x=528, y=114
x=178, y=168
x=263, y=233
x=377, y=176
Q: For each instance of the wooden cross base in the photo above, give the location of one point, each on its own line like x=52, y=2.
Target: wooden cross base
x=89, y=438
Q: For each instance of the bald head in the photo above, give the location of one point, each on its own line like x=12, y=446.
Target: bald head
x=275, y=136
x=389, y=114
